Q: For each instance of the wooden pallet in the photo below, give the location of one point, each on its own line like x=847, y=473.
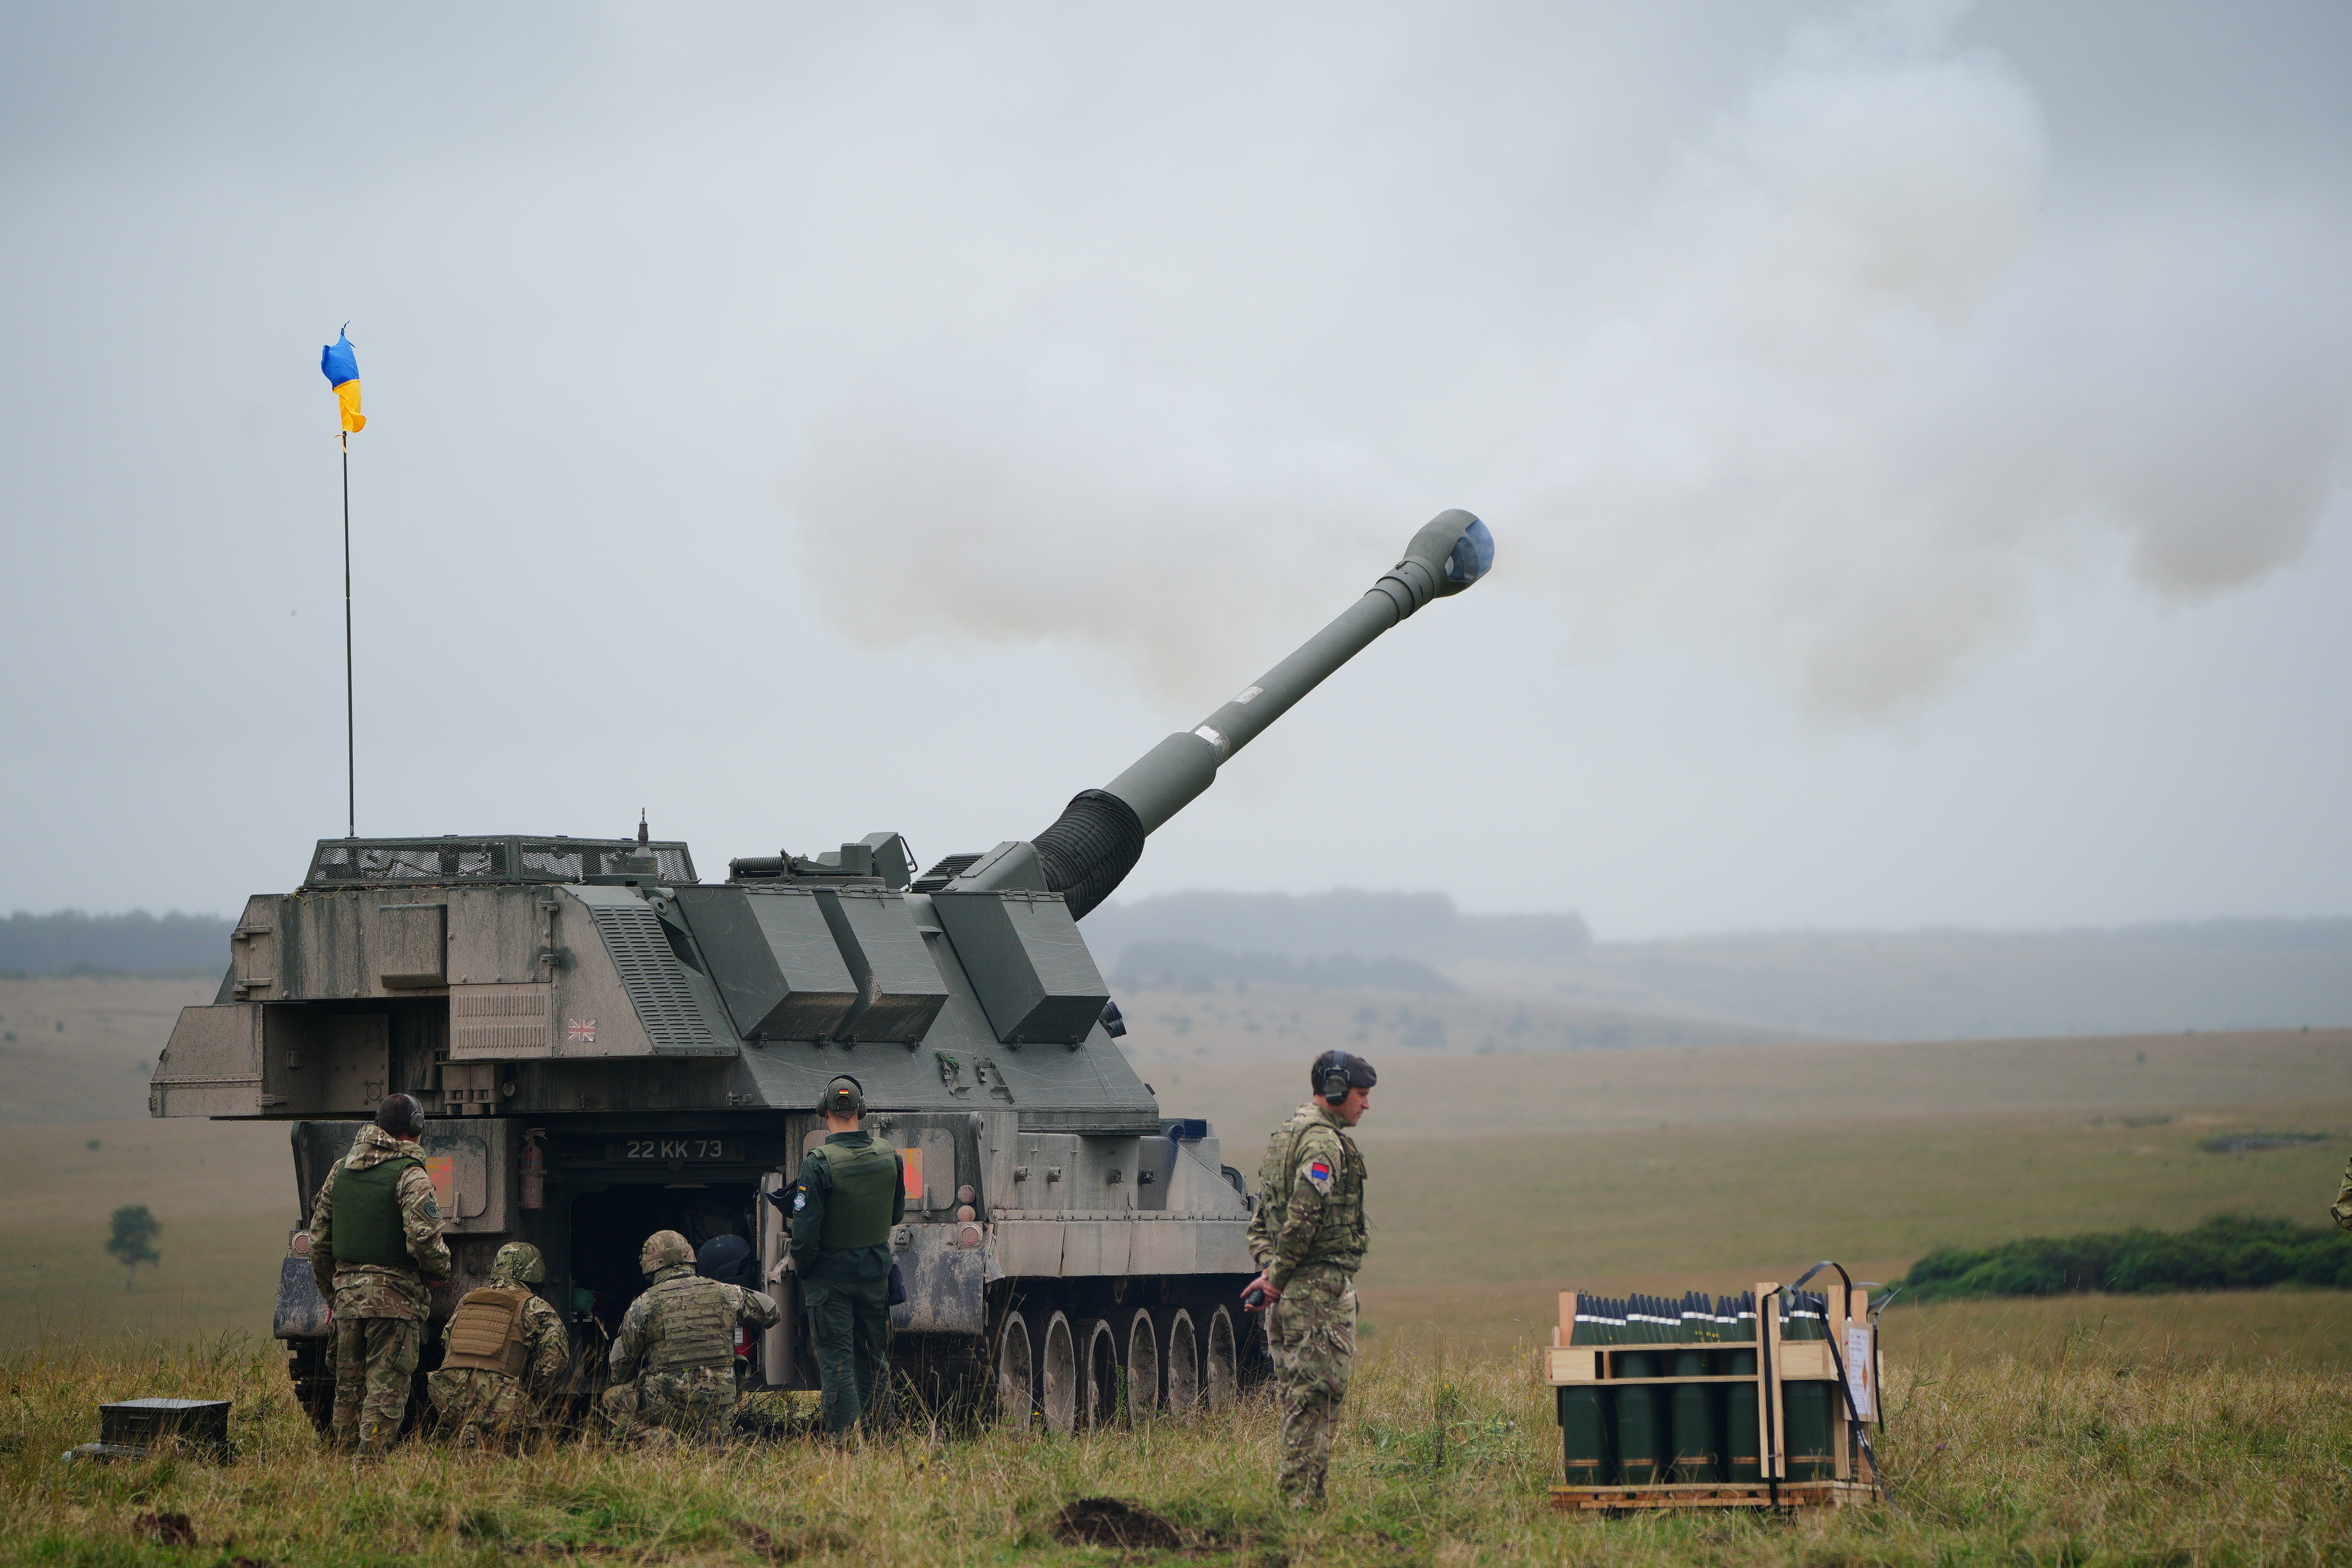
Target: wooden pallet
x=1786, y=1495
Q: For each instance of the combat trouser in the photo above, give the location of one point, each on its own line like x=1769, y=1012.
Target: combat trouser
x=1311, y=1331
x=473, y=1406
x=849, y=1331
x=374, y=1360
x=694, y=1401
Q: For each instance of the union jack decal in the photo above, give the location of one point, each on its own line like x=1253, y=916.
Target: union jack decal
x=580, y=1031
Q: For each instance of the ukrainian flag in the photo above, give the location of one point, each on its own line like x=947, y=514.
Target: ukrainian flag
x=342, y=369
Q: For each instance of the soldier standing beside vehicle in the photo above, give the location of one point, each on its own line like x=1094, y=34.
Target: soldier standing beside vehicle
x=503, y=1354
x=376, y=1252
x=673, y=1364
x=1307, y=1238
x=2341, y=1210
x=851, y=1192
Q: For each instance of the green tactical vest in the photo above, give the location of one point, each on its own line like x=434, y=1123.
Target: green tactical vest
x=1340, y=1236
x=865, y=1188
x=697, y=1322
x=366, y=1216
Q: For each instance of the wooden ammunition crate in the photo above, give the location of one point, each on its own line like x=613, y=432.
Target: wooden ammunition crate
x=1778, y=1364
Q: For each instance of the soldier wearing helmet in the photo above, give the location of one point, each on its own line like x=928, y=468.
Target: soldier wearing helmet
x=673, y=1364
x=852, y=1191
x=375, y=1252
x=1307, y=1236
x=503, y=1355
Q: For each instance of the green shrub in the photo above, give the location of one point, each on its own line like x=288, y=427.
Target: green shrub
x=2228, y=1253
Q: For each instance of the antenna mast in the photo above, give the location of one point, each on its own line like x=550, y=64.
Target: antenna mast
x=351, y=724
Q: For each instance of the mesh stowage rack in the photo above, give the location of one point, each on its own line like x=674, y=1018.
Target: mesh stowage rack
x=371, y=862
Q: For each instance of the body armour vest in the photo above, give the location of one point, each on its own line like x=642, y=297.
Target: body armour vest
x=367, y=1223
x=486, y=1331
x=865, y=1188
x=697, y=1325
x=1340, y=1236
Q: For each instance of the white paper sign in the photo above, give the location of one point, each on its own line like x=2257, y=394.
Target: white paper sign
x=1857, y=1371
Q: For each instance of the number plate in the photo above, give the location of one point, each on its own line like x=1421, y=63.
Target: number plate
x=689, y=1149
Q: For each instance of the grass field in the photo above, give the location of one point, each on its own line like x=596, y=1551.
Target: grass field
x=2183, y=1429
x=1496, y=1181
x=79, y=1047
x=2067, y=1447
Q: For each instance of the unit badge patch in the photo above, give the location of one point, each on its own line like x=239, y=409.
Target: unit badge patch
x=799, y=1201
x=1318, y=1173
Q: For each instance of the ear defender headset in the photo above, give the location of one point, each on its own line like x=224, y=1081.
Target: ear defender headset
x=1331, y=1077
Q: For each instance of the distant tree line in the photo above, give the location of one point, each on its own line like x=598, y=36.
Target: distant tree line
x=72, y=942
x=1196, y=965
x=2228, y=1253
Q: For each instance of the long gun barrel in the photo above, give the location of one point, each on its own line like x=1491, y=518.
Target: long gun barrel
x=1099, y=835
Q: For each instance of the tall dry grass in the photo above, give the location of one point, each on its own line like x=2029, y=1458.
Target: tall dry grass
x=2075, y=1452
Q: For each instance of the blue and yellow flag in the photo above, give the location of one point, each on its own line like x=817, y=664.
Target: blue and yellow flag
x=342, y=369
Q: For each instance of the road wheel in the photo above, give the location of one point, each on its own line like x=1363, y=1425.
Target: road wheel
x=1143, y=1367
x=1183, y=1359
x=1058, y=1396
x=1221, y=1371
x=1016, y=1383
x=1100, y=1371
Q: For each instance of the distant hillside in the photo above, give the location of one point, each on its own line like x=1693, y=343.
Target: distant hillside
x=1425, y=926
x=1196, y=965
x=1895, y=985
x=70, y=941
x=1964, y=984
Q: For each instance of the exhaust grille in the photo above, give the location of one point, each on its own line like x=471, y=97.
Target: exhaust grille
x=501, y=1021
x=653, y=978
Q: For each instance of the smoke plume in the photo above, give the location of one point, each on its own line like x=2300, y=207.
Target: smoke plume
x=1854, y=386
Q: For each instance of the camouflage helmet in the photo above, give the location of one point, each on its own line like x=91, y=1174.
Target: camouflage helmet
x=663, y=1249
x=518, y=1263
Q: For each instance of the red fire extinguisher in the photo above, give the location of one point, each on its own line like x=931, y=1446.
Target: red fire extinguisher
x=534, y=1171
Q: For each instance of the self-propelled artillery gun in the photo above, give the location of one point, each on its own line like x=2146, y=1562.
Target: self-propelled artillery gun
x=608, y=1045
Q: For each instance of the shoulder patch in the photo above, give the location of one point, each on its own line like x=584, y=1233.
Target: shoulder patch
x=799, y=1201
x=1318, y=1171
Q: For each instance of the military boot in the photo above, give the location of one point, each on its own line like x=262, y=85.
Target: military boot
x=377, y=1438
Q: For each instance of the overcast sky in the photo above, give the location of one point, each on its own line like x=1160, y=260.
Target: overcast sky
x=1917, y=440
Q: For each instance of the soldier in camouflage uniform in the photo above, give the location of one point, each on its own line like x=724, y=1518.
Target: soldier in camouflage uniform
x=503, y=1354
x=1307, y=1236
x=673, y=1363
x=375, y=1251
x=851, y=1192
x=2342, y=1208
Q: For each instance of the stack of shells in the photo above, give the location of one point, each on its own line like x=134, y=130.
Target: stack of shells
x=1628, y=1433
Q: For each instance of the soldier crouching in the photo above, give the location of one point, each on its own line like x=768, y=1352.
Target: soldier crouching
x=673, y=1364
x=503, y=1355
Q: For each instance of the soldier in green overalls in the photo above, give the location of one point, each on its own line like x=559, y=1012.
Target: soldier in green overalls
x=851, y=1192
